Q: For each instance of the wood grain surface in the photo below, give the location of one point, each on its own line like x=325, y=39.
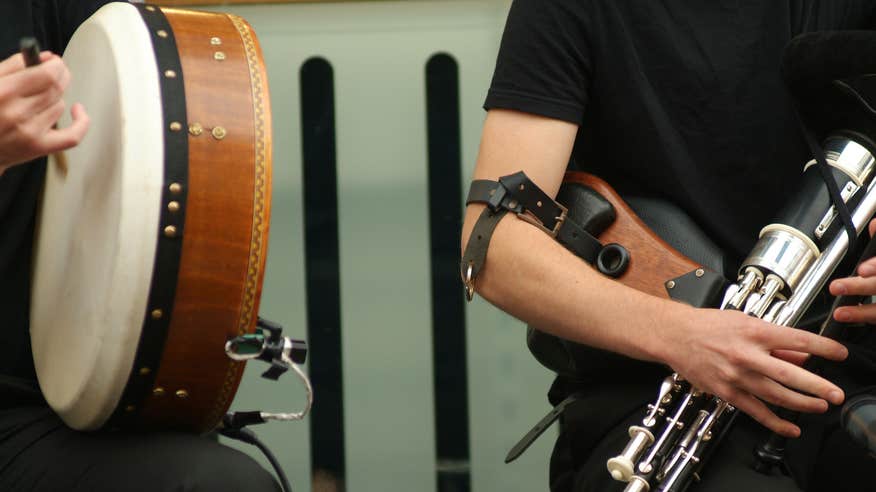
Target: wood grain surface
x=652, y=260
x=220, y=3
x=226, y=224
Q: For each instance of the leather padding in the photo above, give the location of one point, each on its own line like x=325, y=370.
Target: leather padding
x=675, y=227
x=587, y=207
x=586, y=364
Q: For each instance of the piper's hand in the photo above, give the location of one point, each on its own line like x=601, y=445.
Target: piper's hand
x=735, y=356
x=30, y=105
x=864, y=284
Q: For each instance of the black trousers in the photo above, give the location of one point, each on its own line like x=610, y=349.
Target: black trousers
x=39, y=453
x=823, y=459
x=837, y=463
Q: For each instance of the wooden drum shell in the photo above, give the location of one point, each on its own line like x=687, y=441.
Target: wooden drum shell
x=224, y=244
x=151, y=245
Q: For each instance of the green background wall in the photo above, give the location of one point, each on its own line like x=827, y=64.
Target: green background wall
x=378, y=51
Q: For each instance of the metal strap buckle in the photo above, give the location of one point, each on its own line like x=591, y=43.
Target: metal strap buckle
x=468, y=282
x=528, y=216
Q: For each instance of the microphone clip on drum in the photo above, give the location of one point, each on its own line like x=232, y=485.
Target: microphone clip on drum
x=269, y=346
x=283, y=353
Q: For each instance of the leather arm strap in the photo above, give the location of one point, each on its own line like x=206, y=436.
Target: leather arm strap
x=518, y=194
x=475, y=254
x=539, y=428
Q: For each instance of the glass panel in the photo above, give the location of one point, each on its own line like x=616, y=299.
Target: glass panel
x=378, y=52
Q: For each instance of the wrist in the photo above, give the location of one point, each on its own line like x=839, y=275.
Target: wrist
x=664, y=339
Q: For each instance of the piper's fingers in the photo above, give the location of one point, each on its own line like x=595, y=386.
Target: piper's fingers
x=864, y=313
x=867, y=268
x=802, y=341
x=855, y=286
x=797, y=378
x=757, y=410
x=796, y=358
x=774, y=393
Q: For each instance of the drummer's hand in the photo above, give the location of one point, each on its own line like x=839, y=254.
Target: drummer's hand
x=864, y=284
x=30, y=105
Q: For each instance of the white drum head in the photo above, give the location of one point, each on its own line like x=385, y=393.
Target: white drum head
x=98, y=225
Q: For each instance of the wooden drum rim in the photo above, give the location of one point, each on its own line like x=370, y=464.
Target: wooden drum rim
x=213, y=220
x=177, y=400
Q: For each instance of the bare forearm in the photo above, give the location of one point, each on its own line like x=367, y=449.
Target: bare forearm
x=531, y=276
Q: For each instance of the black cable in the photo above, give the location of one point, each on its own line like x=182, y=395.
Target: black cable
x=839, y=204
x=249, y=437
x=854, y=94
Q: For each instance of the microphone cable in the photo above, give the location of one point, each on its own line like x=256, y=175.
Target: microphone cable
x=249, y=437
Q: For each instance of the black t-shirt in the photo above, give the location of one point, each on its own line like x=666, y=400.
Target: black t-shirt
x=52, y=22
x=683, y=100
x=675, y=99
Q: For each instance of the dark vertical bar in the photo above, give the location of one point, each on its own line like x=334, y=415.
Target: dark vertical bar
x=448, y=315
x=322, y=273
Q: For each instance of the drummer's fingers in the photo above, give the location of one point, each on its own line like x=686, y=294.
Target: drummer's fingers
x=47, y=76
x=38, y=103
x=15, y=63
x=12, y=64
x=64, y=138
x=33, y=134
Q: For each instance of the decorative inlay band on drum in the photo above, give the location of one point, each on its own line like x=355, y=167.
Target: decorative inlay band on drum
x=156, y=319
x=259, y=219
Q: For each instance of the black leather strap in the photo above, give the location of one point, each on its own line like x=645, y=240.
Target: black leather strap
x=539, y=428
x=839, y=204
x=493, y=195
x=518, y=194
x=579, y=241
x=475, y=254
x=536, y=202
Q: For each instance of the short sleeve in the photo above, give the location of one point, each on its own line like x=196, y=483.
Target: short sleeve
x=544, y=62
x=845, y=14
x=72, y=13
x=860, y=14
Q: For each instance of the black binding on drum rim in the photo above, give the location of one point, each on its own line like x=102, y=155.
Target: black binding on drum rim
x=156, y=320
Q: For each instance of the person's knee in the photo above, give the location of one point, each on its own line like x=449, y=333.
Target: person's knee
x=214, y=468
x=63, y=459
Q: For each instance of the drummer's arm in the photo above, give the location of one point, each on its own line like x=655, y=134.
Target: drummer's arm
x=30, y=105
